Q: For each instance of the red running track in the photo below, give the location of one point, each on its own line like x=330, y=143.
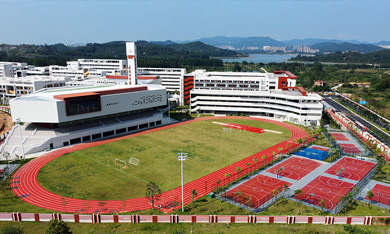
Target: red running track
x=258, y=190
x=354, y=169
x=25, y=185
x=325, y=188
x=381, y=194
x=295, y=167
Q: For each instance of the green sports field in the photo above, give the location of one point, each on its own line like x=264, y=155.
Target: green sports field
x=92, y=174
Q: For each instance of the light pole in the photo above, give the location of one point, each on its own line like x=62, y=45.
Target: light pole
x=181, y=157
x=21, y=138
x=310, y=195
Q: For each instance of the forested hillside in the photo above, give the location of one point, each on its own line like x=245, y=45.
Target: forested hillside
x=149, y=54
x=381, y=57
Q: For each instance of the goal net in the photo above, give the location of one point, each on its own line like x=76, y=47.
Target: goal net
x=134, y=161
x=229, y=130
x=120, y=162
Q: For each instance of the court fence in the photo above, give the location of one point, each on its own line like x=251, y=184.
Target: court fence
x=246, y=170
x=242, y=200
x=8, y=170
x=359, y=185
x=97, y=218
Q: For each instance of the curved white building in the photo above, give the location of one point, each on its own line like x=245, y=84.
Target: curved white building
x=255, y=94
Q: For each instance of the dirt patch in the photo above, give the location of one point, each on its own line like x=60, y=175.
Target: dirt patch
x=5, y=122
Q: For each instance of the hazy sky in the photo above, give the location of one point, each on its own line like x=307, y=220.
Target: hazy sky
x=60, y=21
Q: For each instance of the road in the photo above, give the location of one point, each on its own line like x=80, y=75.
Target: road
x=355, y=117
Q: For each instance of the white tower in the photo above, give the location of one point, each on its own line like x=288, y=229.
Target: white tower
x=131, y=52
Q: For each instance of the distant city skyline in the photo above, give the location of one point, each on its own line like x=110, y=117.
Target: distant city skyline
x=71, y=22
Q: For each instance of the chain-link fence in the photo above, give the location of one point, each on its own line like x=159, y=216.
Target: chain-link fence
x=6, y=170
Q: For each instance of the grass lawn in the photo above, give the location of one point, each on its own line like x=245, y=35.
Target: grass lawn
x=84, y=174
x=181, y=228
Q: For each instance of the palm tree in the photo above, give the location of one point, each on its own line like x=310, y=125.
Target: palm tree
x=370, y=194
x=227, y=175
x=255, y=160
x=194, y=194
x=247, y=168
x=236, y=194
x=264, y=158
x=238, y=171
x=322, y=204
x=297, y=192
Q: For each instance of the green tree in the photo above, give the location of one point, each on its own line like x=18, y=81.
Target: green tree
x=298, y=192
x=263, y=158
x=386, y=169
x=12, y=230
x=247, y=167
x=238, y=171
x=322, y=204
x=370, y=195
x=237, y=67
x=58, y=227
x=153, y=193
x=194, y=194
x=227, y=175
x=255, y=160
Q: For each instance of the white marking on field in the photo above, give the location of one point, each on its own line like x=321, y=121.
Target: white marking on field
x=265, y=130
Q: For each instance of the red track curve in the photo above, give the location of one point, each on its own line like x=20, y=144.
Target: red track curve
x=25, y=185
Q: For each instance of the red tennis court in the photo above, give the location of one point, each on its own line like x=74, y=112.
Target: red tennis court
x=295, y=167
x=350, y=149
x=339, y=136
x=381, y=194
x=324, y=188
x=353, y=169
x=256, y=191
x=320, y=148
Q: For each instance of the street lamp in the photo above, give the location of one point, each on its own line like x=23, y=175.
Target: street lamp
x=181, y=157
x=21, y=138
x=310, y=195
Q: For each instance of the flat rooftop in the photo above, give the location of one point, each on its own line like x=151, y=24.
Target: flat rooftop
x=49, y=94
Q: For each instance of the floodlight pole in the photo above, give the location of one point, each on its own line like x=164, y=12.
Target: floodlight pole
x=182, y=156
x=21, y=138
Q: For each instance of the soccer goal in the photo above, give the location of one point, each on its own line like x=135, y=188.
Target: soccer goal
x=134, y=161
x=120, y=162
x=229, y=130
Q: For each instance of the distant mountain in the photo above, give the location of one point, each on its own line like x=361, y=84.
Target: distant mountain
x=345, y=46
x=309, y=41
x=167, y=42
x=378, y=57
x=383, y=43
x=239, y=43
x=200, y=47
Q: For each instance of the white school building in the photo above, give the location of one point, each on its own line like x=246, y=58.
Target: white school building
x=255, y=94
